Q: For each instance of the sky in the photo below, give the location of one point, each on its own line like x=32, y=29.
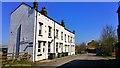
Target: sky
x=86, y=18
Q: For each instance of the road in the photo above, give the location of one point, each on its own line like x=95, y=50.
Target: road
x=83, y=61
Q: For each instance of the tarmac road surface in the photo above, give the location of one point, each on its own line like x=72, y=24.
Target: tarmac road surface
x=84, y=61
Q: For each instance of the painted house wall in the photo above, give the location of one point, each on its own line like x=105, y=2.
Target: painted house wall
x=46, y=22
x=61, y=48
x=23, y=15
x=30, y=38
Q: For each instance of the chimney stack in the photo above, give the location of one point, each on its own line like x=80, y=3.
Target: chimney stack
x=44, y=11
x=62, y=23
x=73, y=31
x=35, y=5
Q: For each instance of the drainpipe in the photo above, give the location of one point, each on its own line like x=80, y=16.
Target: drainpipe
x=54, y=37
x=70, y=45
x=35, y=37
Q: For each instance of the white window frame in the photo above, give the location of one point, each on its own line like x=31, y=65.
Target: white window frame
x=57, y=32
x=56, y=47
x=49, y=45
x=65, y=37
x=39, y=46
x=49, y=31
x=40, y=28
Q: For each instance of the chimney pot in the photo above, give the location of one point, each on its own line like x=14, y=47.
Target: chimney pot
x=62, y=23
x=44, y=11
x=35, y=5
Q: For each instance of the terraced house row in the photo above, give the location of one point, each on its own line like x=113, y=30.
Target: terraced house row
x=32, y=31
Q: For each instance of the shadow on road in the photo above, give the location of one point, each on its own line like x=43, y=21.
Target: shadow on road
x=91, y=64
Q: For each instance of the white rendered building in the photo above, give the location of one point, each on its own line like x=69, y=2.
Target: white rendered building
x=32, y=31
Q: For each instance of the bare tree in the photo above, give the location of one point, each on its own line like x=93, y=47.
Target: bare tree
x=108, y=39
x=81, y=48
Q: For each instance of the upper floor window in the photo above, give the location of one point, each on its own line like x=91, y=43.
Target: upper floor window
x=71, y=39
x=38, y=50
x=40, y=28
x=61, y=35
x=49, y=31
x=65, y=37
x=68, y=38
x=57, y=33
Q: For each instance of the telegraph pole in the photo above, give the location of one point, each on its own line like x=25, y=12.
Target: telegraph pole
x=118, y=33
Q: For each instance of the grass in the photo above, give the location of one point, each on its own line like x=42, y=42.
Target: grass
x=30, y=63
x=109, y=57
x=25, y=63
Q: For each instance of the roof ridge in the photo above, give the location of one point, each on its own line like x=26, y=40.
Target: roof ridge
x=42, y=14
x=20, y=5
x=55, y=21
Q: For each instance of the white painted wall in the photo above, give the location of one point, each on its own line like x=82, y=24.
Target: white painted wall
x=48, y=22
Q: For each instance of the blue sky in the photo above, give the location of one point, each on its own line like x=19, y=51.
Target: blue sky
x=86, y=18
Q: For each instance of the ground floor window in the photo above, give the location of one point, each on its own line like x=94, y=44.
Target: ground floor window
x=43, y=49
x=65, y=48
x=39, y=46
x=49, y=46
x=56, y=47
x=61, y=47
x=38, y=50
x=48, y=49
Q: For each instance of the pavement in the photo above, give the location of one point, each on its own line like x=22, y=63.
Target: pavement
x=58, y=61
x=90, y=61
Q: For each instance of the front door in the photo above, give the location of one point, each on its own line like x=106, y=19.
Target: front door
x=44, y=50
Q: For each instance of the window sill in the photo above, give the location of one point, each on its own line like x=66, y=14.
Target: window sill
x=40, y=35
x=49, y=52
x=39, y=55
x=49, y=37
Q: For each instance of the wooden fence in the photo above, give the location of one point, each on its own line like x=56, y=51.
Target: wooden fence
x=10, y=57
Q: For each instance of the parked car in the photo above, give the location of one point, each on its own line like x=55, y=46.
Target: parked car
x=113, y=53
x=99, y=53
